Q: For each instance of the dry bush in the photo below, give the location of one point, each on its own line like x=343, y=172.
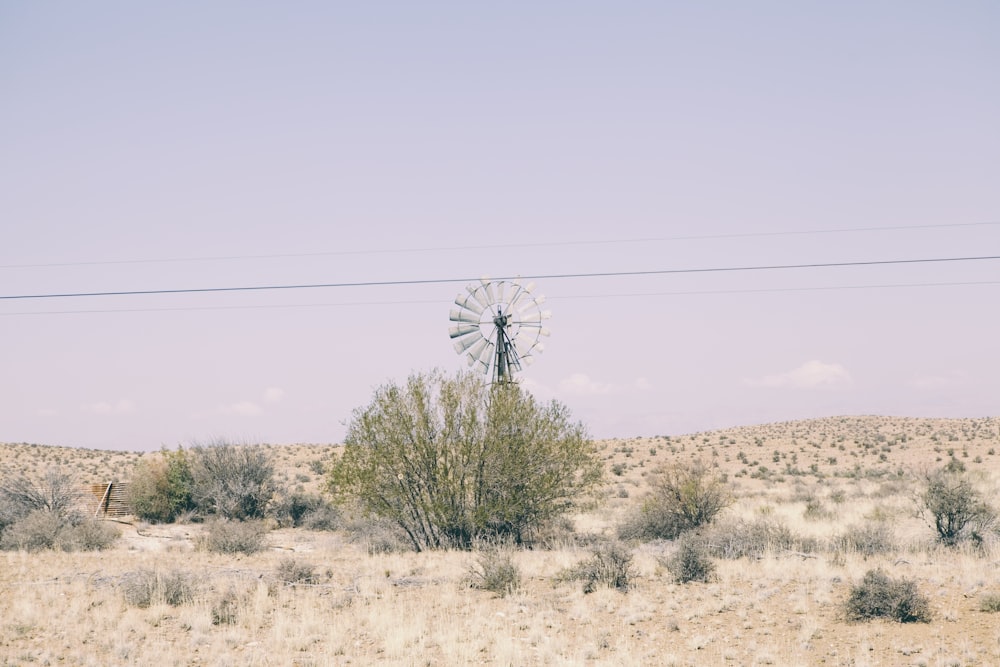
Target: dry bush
x=683, y=497
x=868, y=539
x=610, y=565
x=296, y=571
x=57, y=493
x=144, y=588
x=37, y=531
x=880, y=596
x=990, y=603
x=379, y=536
x=751, y=539
x=494, y=570
x=228, y=605
x=232, y=481
x=690, y=562
x=234, y=537
x=956, y=510
x=306, y=510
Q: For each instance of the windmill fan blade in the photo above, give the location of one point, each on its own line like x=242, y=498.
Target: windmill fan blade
x=501, y=287
x=484, y=357
x=477, y=347
x=488, y=286
x=466, y=301
x=479, y=296
x=457, y=330
x=464, y=343
x=525, y=340
x=457, y=315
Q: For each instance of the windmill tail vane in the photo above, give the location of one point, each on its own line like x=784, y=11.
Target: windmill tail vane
x=498, y=326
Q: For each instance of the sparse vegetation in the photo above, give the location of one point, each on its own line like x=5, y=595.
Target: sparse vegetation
x=359, y=592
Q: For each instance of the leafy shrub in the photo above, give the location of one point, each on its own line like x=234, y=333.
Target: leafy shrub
x=880, y=596
x=683, y=497
x=956, y=509
x=232, y=481
x=143, y=588
x=868, y=539
x=296, y=571
x=610, y=565
x=690, y=562
x=234, y=537
x=455, y=460
x=161, y=489
x=494, y=570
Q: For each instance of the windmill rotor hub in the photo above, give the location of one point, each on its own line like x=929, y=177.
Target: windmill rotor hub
x=500, y=344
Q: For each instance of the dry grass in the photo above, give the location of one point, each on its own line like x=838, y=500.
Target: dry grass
x=785, y=608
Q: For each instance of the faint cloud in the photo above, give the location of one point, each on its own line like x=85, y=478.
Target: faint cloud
x=642, y=384
x=582, y=384
x=274, y=394
x=944, y=381
x=809, y=375
x=243, y=408
x=121, y=407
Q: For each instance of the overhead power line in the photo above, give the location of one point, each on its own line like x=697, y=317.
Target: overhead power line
x=569, y=297
x=553, y=276
x=506, y=246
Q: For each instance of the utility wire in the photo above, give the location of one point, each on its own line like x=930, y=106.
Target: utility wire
x=554, y=276
x=569, y=297
x=655, y=239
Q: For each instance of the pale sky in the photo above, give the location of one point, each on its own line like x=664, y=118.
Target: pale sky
x=159, y=146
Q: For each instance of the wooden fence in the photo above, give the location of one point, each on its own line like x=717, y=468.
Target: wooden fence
x=106, y=500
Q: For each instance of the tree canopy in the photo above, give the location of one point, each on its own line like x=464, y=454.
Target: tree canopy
x=454, y=459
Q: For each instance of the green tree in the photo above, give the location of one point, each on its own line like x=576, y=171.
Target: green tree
x=453, y=459
x=160, y=489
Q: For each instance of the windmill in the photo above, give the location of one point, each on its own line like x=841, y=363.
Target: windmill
x=498, y=326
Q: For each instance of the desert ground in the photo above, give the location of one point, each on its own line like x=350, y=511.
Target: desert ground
x=363, y=605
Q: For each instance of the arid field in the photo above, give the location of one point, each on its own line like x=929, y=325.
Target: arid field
x=337, y=597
